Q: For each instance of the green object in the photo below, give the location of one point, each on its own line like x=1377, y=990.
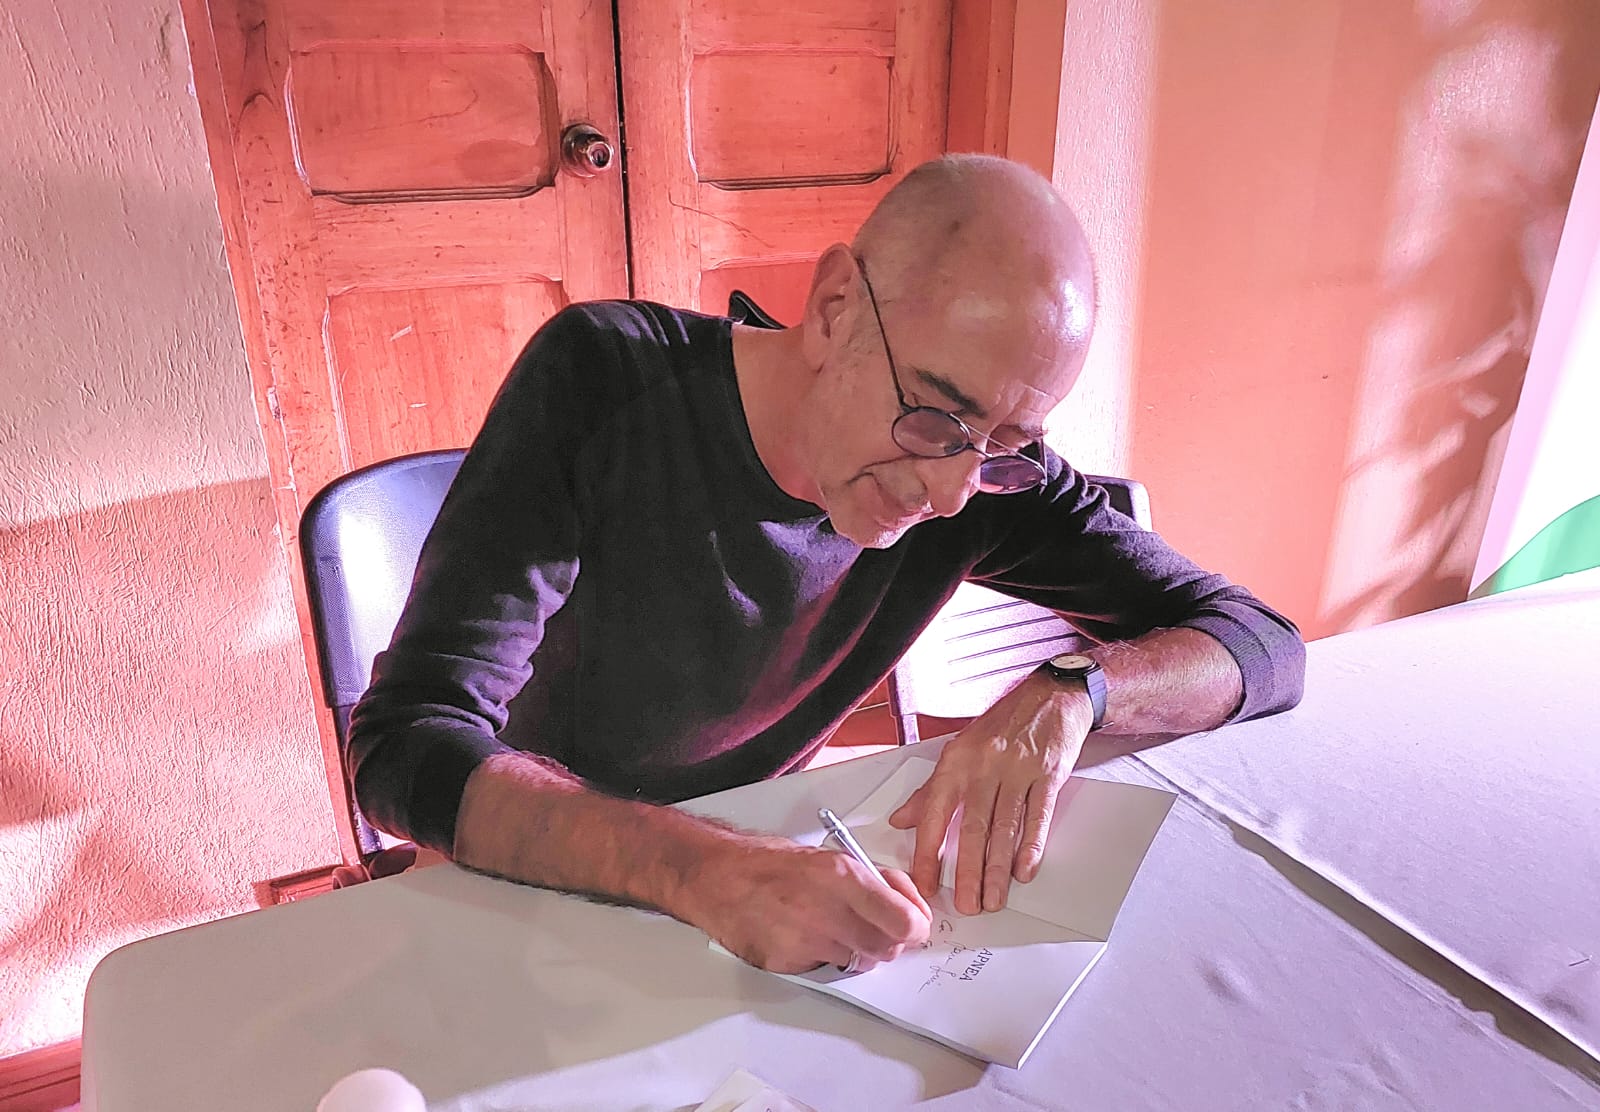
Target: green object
x=1569, y=543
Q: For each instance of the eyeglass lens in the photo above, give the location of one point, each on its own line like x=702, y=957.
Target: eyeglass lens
x=929, y=432
x=1008, y=475
x=936, y=434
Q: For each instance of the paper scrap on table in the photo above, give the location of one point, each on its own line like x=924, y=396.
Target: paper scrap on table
x=743, y=1091
x=990, y=985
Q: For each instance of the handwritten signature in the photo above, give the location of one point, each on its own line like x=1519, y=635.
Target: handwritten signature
x=940, y=970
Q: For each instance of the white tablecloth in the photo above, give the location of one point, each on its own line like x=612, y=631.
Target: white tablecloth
x=1445, y=771
x=1237, y=977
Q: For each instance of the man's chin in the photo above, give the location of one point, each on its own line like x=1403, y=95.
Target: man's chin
x=869, y=533
x=885, y=539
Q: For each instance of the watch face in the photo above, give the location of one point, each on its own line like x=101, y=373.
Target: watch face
x=1072, y=662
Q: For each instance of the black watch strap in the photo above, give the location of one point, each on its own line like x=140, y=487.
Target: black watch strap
x=1069, y=667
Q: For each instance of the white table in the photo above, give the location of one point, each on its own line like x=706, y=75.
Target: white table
x=1238, y=977
x=1444, y=770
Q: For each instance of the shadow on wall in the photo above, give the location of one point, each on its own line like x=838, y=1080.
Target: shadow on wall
x=158, y=755
x=1469, y=356
x=1352, y=214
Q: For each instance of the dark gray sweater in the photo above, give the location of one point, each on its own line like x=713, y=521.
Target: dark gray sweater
x=615, y=581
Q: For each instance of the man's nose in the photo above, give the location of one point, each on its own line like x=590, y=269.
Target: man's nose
x=951, y=481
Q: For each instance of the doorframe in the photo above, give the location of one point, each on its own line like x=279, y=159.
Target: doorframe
x=1005, y=78
x=215, y=119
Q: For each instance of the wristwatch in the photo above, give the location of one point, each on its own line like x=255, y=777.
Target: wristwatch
x=1072, y=667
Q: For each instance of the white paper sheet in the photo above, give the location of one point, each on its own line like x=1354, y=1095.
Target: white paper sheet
x=743, y=1091
x=1100, y=834
x=989, y=985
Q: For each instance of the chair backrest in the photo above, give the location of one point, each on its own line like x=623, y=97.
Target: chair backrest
x=359, y=541
x=742, y=308
x=982, y=643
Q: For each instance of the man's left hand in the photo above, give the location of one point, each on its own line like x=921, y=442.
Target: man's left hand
x=1003, y=773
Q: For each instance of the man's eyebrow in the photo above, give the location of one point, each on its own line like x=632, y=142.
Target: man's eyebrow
x=970, y=407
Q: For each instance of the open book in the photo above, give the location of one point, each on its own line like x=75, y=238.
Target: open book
x=989, y=985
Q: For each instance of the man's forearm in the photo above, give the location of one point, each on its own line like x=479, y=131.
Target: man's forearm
x=1170, y=681
x=778, y=905
x=532, y=821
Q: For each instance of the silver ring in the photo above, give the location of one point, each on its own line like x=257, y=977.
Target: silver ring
x=855, y=963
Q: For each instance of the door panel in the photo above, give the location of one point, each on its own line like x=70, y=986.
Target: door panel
x=757, y=136
x=408, y=224
x=398, y=222
x=463, y=241
x=372, y=122
x=806, y=25
x=415, y=386
x=804, y=94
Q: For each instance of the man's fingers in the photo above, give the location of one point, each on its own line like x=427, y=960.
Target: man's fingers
x=791, y=908
x=879, y=918
x=937, y=809
x=837, y=934
x=1036, y=828
x=867, y=938
x=1005, y=832
x=798, y=947
x=977, y=814
x=903, y=884
x=840, y=954
x=909, y=813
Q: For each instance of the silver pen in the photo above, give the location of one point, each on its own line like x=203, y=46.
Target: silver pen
x=847, y=841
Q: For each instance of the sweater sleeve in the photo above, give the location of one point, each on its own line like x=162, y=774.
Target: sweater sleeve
x=500, y=561
x=1066, y=548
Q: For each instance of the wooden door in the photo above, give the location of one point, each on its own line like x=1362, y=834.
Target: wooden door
x=398, y=220
x=407, y=222
x=758, y=134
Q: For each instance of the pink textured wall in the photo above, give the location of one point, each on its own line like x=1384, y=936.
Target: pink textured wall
x=158, y=758
x=1325, y=229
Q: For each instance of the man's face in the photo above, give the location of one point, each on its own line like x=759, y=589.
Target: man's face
x=1000, y=361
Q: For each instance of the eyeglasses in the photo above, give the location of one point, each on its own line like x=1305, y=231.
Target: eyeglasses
x=933, y=433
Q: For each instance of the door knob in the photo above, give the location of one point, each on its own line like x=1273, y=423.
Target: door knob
x=585, y=152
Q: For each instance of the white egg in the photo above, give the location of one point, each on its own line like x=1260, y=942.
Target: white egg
x=374, y=1090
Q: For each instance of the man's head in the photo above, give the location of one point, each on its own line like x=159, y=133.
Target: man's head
x=984, y=286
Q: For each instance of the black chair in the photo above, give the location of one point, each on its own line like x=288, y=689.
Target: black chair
x=743, y=309
x=981, y=643
x=359, y=541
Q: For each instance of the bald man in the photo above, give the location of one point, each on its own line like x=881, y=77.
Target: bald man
x=680, y=551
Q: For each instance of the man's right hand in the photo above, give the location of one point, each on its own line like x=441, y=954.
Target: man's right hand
x=789, y=908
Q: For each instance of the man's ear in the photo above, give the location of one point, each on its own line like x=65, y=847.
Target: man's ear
x=825, y=316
